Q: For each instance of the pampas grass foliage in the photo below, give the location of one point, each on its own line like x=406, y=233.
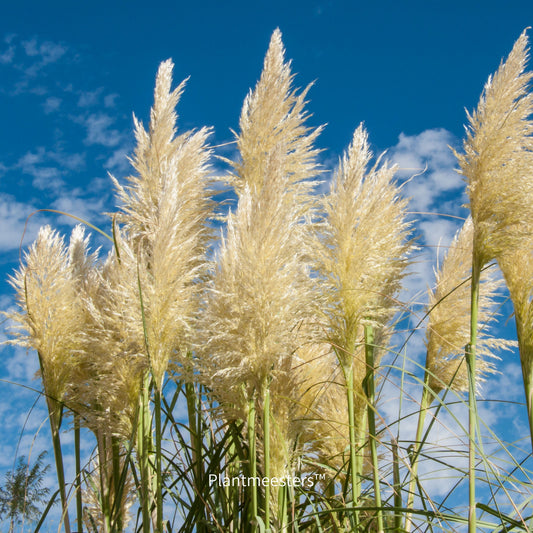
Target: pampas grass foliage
x=277, y=340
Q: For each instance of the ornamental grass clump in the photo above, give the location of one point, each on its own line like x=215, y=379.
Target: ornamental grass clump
x=164, y=231
x=243, y=383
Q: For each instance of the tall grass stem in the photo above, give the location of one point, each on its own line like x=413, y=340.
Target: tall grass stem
x=370, y=391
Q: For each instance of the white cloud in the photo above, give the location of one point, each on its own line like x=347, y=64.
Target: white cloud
x=69, y=161
x=110, y=100
x=22, y=366
x=51, y=104
x=89, y=98
x=84, y=205
x=13, y=219
x=427, y=159
x=118, y=161
x=7, y=56
x=99, y=130
x=427, y=168
x=46, y=52
x=44, y=176
x=48, y=167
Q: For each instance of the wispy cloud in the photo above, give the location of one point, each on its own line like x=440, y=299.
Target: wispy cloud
x=52, y=104
x=118, y=162
x=86, y=205
x=99, y=127
x=44, y=52
x=13, y=221
x=7, y=55
x=47, y=167
x=427, y=159
x=89, y=98
x=427, y=168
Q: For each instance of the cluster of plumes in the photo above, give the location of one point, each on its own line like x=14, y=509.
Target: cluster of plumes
x=448, y=329
x=260, y=301
x=99, y=327
x=165, y=209
x=498, y=165
x=294, y=282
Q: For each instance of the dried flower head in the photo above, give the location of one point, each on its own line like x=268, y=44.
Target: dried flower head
x=165, y=212
x=273, y=120
x=112, y=359
x=517, y=267
x=51, y=313
x=361, y=249
x=448, y=330
x=497, y=158
x=260, y=291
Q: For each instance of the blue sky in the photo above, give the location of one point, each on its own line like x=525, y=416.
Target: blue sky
x=72, y=74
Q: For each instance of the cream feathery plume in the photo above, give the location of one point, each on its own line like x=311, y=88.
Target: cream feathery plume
x=260, y=293
x=360, y=257
x=323, y=407
x=261, y=290
x=93, y=513
x=51, y=313
x=113, y=356
x=273, y=119
x=497, y=158
x=448, y=329
x=517, y=267
x=361, y=249
x=165, y=211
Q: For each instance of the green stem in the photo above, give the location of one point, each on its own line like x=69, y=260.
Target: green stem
x=266, y=432
x=252, y=462
x=370, y=389
x=526, y=350
x=158, y=469
x=425, y=402
x=355, y=466
x=283, y=508
x=77, y=452
x=118, y=485
x=397, y=486
x=103, y=474
x=55, y=415
x=144, y=448
x=193, y=412
x=472, y=407
x=55, y=424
